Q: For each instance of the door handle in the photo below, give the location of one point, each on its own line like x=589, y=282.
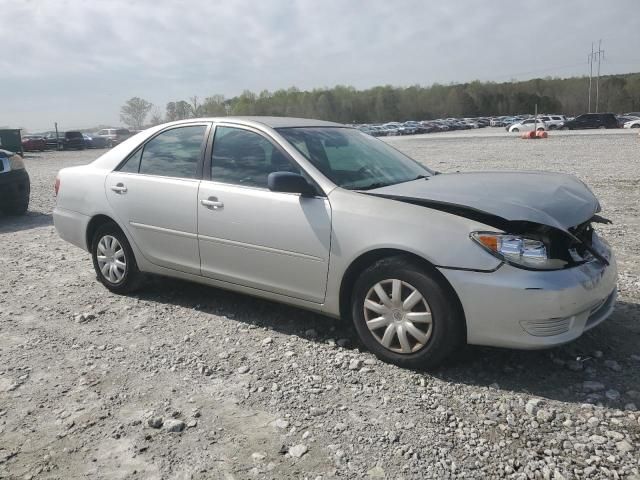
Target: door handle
x=212, y=202
x=119, y=188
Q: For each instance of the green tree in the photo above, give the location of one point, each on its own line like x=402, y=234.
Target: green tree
x=213, y=106
x=134, y=112
x=156, y=117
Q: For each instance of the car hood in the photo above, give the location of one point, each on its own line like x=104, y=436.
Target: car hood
x=553, y=199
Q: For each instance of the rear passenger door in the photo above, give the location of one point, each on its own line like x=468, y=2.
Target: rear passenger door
x=154, y=195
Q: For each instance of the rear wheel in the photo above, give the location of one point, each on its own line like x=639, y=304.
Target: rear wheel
x=516, y=130
x=113, y=260
x=405, y=314
x=18, y=206
x=541, y=129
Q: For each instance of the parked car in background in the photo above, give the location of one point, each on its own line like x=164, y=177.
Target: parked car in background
x=592, y=120
x=276, y=207
x=409, y=128
x=553, y=122
x=32, y=143
x=73, y=140
x=53, y=140
x=115, y=135
x=10, y=140
x=390, y=130
x=377, y=131
x=527, y=125
x=15, y=186
x=396, y=127
x=91, y=141
x=632, y=114
x=633, y=123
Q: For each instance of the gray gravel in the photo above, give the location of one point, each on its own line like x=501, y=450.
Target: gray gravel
x=184, y=381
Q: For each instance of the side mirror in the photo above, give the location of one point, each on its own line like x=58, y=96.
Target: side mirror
x=288, y=182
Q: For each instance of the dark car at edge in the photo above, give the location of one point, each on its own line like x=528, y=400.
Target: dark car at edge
x=15, y=186
x=592, y=120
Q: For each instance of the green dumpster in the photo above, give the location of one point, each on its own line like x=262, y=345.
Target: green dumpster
x=11, y=140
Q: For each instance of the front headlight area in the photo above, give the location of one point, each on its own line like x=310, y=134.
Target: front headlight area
x=519, y=250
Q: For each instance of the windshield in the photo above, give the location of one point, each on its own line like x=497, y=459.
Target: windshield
x=352, y=159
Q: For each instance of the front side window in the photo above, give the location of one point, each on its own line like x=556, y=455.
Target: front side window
x=174, y=153
x=242, y=157
x=352, y=159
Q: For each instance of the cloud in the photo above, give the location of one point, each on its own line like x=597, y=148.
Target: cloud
x=77, y=61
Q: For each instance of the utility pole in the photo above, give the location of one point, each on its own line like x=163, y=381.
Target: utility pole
x=600, y=54
x=590, y=58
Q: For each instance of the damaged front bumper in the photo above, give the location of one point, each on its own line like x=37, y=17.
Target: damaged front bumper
x=517, y=308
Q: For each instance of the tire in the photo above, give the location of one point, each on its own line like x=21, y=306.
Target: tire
x=515, y=130
x=18, y=206
x=635, y=126
x=541, y=130
x=439, y=319
x=130, y=278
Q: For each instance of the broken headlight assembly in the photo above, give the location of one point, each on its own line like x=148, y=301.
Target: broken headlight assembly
x=519, y=250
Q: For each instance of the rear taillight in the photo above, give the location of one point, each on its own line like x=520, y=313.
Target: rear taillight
x=56, y=185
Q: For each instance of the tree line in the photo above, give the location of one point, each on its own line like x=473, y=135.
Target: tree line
x=345, y=104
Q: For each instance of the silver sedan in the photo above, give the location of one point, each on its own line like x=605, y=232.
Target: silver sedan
x=328, y=218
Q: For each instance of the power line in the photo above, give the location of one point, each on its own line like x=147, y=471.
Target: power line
x=592, y=57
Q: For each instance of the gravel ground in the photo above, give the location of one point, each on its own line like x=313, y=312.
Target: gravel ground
x=184, y=381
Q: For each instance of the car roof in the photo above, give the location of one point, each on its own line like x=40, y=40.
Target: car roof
x=273, y=122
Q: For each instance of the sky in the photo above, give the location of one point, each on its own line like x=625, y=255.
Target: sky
x=77, y=61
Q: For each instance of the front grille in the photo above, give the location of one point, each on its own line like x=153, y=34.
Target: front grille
x=547, y=328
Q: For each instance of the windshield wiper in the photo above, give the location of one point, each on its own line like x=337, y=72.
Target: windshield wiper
x=419, y=177
x=374, y=185
x=371, y=186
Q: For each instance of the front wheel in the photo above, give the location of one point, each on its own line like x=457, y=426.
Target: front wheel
x=405, y=314
x=515, y=130
x=113, y=260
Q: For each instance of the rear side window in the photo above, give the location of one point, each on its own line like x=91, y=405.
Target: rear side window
x=174, y=153
x=73, y=135
x=132, y=165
